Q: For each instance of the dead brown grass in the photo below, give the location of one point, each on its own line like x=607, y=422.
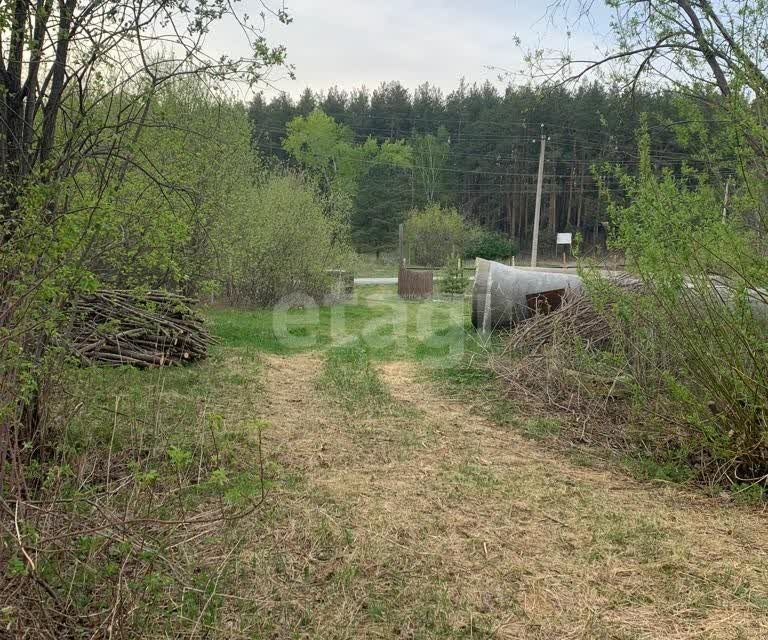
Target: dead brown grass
x=436, y=523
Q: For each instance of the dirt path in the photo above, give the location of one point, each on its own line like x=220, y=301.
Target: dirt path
x=431, y=522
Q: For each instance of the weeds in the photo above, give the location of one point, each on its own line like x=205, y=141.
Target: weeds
x=129, y=525
x=674, y=469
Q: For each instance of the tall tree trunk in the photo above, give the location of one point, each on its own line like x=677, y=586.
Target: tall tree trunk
x=552, y=218
x=525, y=218
x=570, y=196
x=51, y=111
x=512, y=205
x=581, y=200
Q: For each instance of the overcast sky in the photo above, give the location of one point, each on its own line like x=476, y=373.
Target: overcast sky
x=350, y=43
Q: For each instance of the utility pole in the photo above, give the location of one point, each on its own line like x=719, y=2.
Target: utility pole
x=725, y=200
x=537, y=214
x=401, y=243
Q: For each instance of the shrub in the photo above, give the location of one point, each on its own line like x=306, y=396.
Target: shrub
x=434, y=234
x=695, y=340
x=673, y=365
x=701, y=317
x=705, y=273
x=287, y=240
x=491, y=245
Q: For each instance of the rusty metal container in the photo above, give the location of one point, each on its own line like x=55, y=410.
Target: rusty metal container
x=414, y=284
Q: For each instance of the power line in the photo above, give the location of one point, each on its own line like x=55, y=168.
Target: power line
x=475, y=171
x=496, y=155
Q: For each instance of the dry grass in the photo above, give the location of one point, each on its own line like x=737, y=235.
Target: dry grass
x=131, y=533
x=435, y=523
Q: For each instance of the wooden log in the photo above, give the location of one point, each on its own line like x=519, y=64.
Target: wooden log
x=144, y=329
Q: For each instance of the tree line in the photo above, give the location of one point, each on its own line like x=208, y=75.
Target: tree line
x=477, y=149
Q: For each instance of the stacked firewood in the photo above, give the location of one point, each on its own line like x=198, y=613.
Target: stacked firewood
x=139, y=328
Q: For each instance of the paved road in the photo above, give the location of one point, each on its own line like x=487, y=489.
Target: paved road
x=376, y=280
x=393, y=280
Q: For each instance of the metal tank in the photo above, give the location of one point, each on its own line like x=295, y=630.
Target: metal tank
x=504, y=295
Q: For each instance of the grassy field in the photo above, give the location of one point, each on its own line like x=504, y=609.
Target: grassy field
x=404, y=497
x=375, y=318
x=369, y=267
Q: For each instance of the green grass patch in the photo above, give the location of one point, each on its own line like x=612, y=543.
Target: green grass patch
x=167, y=404
x=369, y=267
x=634, y=536
x=155, y=445
x=353, y=382
x=749, y=493
x=288, y=331
x=470, y=376
x=672, y=469
x=471, y=475
x=539, y=427
x=430, y=331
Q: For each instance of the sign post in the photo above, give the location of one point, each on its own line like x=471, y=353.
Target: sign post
x=566, y=239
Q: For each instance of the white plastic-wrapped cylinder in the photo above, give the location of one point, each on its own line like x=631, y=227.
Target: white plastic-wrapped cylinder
x=501, y=295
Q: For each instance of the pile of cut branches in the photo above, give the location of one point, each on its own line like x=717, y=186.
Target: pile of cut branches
x=570, y=360
x=578, y=316
x=139, y=328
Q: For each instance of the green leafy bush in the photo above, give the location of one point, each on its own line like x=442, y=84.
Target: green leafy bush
x=434, y=234
x=668, y=365
x=695, y=339
x=287, y=239
x=491, y=245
